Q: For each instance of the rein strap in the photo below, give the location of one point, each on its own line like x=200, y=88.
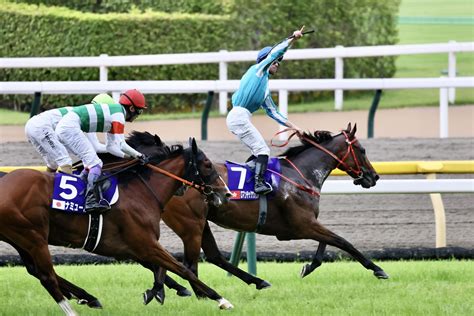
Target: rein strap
x=198, y=187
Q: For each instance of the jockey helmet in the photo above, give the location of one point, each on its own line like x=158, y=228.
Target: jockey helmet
x=263, y=53
x=134, y=98
x=103, y=98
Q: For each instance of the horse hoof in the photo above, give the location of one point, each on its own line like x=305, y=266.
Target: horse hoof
x=305, y=271
x=147, y=296
x=184, y=292
x=94, y=304
x=263, y=285
x=225, y=304
x=160, y=296
x=381, y=274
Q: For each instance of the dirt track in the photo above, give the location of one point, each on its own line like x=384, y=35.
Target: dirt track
x=370, y=222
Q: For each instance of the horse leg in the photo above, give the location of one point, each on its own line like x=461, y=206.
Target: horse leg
x=160, y=278
x=324, y=235
x=68, y=289
x=214, y=256
x=172, y=284
x=317, y=261
x=157, y=255
x=43, y=267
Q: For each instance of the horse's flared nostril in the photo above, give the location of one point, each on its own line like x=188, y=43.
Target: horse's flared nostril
x=228, y=195
x=377, y=177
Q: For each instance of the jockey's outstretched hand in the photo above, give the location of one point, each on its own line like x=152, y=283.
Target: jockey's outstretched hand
x=298, y=33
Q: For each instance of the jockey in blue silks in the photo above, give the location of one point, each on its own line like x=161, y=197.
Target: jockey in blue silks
x=253, y=93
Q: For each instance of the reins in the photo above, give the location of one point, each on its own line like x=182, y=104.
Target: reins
x=204, y=189
x=123, y=166
x=303, y=137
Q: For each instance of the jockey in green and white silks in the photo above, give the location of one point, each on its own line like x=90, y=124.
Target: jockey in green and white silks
x=253, y=94
x=104, y=118
x=40, y=133
x=96, y=117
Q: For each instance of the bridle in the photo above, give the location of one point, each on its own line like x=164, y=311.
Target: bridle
x=356, y=173
x=192, y=169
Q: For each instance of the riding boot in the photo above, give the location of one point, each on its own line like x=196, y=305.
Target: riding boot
x=261, y=186
x=94, y=198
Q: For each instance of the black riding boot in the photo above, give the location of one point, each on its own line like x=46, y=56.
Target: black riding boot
x=94, y=198
x=261, y=186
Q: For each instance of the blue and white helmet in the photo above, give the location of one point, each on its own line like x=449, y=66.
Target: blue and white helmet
x=263, y=53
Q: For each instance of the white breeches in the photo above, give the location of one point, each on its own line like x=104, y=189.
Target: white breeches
x=238, y=122
x=40, y=133
x=70, y=134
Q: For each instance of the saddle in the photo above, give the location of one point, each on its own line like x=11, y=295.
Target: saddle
x=241, y=178
x=69, y=192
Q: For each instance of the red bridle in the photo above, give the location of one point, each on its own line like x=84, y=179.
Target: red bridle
x=356, y=173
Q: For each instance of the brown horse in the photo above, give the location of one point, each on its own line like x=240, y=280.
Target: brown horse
x=292, y=213
x=131, y=228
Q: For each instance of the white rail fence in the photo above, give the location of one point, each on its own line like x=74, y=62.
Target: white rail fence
x=283, y=86
x=224, y=57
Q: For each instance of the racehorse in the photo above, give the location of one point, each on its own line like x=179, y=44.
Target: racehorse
x=131, y=227
x=292, y=212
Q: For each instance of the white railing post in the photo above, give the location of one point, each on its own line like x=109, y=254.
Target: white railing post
x=339, y=74
x=116, y=95
x=222, y=94
x=283, y=108
x=443, y=112
x=452, y=72
x=104, y=72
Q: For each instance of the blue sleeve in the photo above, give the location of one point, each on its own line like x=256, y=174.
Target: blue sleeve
x=278, y=51
x=272, y=111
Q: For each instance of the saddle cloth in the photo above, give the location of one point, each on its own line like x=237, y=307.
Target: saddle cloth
x=69, y=193
x=241, y=179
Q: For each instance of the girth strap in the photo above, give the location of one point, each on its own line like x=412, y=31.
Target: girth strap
x=262, y=212
x=94, y=232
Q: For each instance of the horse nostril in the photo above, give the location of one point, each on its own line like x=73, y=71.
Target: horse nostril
x=228, y=195
x=377, y=177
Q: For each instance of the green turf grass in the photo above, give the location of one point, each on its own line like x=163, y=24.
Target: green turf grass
x=341, y=288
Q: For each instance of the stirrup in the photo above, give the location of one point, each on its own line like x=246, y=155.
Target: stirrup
x=262, y=188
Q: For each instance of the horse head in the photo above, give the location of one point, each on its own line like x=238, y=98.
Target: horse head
x=354, y=160
x=347, y=153
x=199, y=169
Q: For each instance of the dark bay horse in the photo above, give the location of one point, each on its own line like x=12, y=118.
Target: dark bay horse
x=130, y=229
x=292, y=213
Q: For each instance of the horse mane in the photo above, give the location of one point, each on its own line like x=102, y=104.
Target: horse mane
x=139, y=139
x=318, y=137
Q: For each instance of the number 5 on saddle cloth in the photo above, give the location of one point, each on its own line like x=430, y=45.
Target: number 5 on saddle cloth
x=241, y=179
x=69, y=193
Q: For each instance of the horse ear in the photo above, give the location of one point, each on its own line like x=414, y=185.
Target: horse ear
x=193, y=144
x=352, y=133
x=158, y=141
x=348, y=129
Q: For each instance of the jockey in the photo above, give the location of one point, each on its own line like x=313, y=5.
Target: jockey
x=106, y=118
x=40, y=133
x=252, y=94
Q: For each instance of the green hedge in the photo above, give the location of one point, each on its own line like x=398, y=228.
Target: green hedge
x=36, y=31
x=124, y=6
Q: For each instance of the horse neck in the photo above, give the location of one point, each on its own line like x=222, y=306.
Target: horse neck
x=315, y=164
x=165, y=185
